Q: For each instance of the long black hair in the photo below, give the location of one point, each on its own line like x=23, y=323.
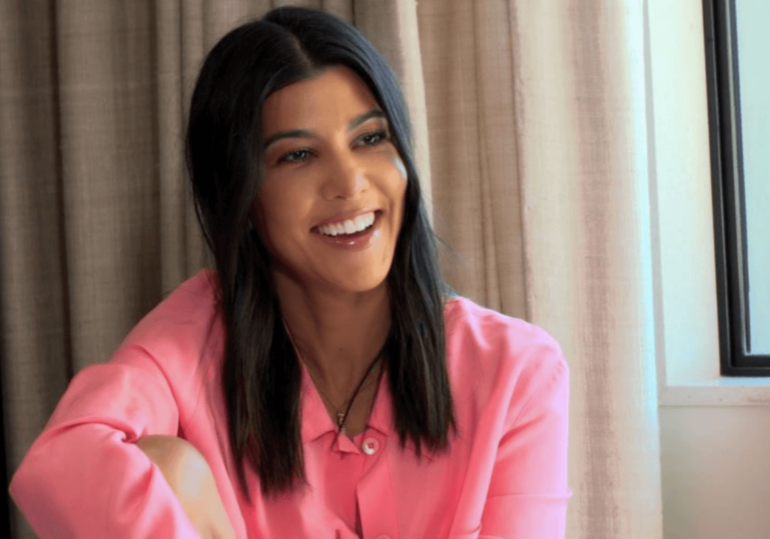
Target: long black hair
x=261, y=374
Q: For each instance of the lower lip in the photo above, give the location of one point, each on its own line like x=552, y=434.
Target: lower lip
x=356, y=243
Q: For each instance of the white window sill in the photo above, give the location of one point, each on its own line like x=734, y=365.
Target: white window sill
x=738, y=391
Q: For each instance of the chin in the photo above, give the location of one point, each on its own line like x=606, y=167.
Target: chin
x=363, y=285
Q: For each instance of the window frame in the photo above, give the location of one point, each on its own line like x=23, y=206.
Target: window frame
x=727, y=174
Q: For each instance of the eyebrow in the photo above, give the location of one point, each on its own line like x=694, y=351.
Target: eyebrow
x=305, y=133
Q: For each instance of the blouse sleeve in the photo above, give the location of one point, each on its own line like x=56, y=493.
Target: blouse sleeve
x=84, y=476
x=528, y=494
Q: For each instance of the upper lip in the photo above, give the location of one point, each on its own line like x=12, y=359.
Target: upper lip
x=344, y=216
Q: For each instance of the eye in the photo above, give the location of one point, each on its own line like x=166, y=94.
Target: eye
x=374, y=138
x=296, y=156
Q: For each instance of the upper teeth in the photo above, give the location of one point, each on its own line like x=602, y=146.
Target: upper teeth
x=348, y=227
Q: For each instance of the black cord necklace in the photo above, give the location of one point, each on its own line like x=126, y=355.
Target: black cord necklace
x=341, y=416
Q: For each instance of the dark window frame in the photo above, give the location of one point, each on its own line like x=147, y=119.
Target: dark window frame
x=722, y=80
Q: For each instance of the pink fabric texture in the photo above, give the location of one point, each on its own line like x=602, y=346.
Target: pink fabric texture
x=503, y=476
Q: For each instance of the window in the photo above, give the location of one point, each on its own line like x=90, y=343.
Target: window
x=738, y=78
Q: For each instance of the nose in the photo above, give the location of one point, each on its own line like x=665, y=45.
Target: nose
x=345, y=178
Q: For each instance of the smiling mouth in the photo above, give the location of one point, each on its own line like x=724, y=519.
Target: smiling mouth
x=358, y=227
x=354, y=235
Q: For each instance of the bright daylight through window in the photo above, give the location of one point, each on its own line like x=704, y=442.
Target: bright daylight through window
x=737, y=43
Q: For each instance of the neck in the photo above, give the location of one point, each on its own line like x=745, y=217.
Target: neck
x=337, y=335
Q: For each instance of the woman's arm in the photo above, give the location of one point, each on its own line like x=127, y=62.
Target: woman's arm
x=190, y=478
x=85, y=477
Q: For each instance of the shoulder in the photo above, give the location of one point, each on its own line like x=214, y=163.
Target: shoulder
x=190, y=307
x=489, y=336
x=158, y=371
x=494, y=358
x=183, y=331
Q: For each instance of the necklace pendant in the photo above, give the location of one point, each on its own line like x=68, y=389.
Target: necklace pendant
x=340, y=420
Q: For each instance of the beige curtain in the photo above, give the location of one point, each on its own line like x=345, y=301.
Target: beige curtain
x=538, y=136
x=534, y=113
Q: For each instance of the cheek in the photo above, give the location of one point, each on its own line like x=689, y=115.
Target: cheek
x=284, y=213
x=266, y=212
x=272, y=205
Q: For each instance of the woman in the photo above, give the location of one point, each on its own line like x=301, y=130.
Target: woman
x=323, y=382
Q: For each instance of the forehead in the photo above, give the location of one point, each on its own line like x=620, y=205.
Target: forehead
x=332, y=99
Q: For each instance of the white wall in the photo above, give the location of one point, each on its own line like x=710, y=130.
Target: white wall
x=716, y=472
x=715, y=432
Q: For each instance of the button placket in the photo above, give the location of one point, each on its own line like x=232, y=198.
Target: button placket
x=374, y=492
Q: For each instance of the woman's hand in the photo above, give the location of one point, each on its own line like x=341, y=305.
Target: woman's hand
x=190, y=478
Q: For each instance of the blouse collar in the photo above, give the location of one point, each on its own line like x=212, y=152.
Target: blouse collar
x=316, y=421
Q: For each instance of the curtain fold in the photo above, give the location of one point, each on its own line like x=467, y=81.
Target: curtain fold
x=538, y=136
x=34, y=335
x=467, y=52
x=581, y=128
x=530, y=139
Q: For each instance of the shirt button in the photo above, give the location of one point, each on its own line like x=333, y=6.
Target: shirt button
x=370, y=447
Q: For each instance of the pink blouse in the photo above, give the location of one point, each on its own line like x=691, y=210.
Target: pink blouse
x=504, y=475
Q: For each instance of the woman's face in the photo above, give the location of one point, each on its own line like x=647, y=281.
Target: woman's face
x=331, y=203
